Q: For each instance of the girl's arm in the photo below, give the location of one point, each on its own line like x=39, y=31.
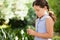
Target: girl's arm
x=49, y=29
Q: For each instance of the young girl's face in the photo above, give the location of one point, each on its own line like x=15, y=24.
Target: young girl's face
x=39, y=11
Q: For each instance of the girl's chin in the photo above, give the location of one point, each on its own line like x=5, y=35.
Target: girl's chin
x=38, y=16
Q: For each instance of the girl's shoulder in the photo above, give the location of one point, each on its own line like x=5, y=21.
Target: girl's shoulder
x=48, y=18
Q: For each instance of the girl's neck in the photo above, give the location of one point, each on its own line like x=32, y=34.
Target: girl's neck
x=43, y=14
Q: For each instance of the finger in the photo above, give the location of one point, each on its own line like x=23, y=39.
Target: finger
x=27, y=31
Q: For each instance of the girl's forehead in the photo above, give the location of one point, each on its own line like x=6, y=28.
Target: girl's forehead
x=36, y=7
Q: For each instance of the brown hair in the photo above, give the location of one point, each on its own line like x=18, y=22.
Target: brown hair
x=42, y=4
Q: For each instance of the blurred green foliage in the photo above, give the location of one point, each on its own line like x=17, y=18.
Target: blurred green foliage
x=55, y=6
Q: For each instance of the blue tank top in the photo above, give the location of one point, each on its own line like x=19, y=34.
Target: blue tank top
x=41, y=26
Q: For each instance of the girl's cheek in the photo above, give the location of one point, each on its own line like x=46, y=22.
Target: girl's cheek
x=36, y=14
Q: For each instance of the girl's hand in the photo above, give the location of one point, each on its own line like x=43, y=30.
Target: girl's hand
x=31, y=32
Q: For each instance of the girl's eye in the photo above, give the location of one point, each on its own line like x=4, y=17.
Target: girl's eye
x=37, y=10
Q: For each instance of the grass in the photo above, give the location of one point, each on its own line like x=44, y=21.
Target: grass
x=56, y=38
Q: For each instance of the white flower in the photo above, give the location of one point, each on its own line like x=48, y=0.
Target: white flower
x=16, y=37
x=21, y=14
x=6, y=21
x=22, y=38
x=21, y=6
x=26, y=38
x=22, y=32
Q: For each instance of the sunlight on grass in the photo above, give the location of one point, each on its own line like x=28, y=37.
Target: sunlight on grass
x=3, y=26
x=56, y=38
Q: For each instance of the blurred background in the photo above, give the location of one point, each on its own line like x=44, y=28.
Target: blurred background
x=18, y=15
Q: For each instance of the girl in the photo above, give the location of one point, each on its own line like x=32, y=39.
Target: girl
x=44, y=22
